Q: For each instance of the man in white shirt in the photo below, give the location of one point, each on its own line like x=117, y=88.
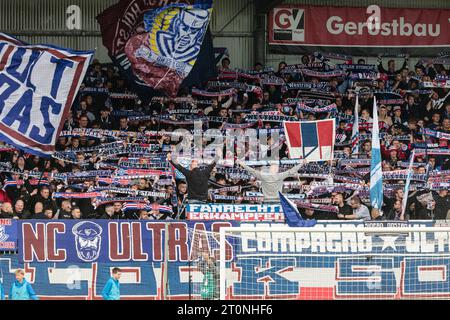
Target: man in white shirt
x=360, y=211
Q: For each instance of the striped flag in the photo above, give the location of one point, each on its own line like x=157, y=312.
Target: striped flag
x=408, y=181
x=114, y=181
x=310, y=140
x=148, y=207
x=32, y=182
x=39, y=84
x=355, y=129
x=376, y=174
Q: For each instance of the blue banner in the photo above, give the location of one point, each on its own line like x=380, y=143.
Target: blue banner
x=53, y=255
x=106, y=241
x=8, y=235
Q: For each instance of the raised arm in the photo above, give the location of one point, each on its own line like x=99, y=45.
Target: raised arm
x=180, y=168
x=292, y=171
x=213, y=164
x=228, y=103
x=380, y=66
x=254, y=172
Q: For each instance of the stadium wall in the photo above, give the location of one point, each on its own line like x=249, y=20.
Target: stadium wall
x=232, y=25
x=44, y=21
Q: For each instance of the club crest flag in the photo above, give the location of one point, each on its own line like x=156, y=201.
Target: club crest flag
x=310, y=140
x=38, y=84
x=165, y=54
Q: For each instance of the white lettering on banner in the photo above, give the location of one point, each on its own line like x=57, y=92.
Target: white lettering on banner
x=344, y=242
x=29, y=73
x=255, y=208
x=236, y=216
x=336, y=25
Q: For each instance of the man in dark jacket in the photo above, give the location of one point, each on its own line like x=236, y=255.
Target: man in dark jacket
x=425, y=206
x=442, y=199
x=196, y=178
x=44, y=215
x=6, y=211
x=66, y=210
x=44, y=197
x=395, y=213
x=113, y=212
x=391, y=70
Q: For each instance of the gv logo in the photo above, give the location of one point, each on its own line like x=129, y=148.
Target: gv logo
x=289, y=18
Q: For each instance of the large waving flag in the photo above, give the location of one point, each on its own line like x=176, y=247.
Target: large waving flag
x=38, y=84
x=376, y=173
x=355, y=129
x=291, y=215
x=310, y=140
x=120, y=22
x=165, y=54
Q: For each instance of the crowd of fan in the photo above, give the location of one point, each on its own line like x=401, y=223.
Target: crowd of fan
x=105, y=101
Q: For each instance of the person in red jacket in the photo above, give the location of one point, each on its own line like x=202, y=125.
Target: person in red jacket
x=387, y=152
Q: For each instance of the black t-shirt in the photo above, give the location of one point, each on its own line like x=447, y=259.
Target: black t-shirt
x=64, y=215
x=320, y=215
x=40, y=216
x=345, y=210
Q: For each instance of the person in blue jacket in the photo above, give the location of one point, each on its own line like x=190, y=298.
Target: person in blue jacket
x=21, y=289
x=111, y=291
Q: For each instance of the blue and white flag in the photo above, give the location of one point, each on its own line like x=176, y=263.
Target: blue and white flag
x=38, y=84
x=376, y=173
x=291, y=215
x=355, y=129
x=408, y=181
